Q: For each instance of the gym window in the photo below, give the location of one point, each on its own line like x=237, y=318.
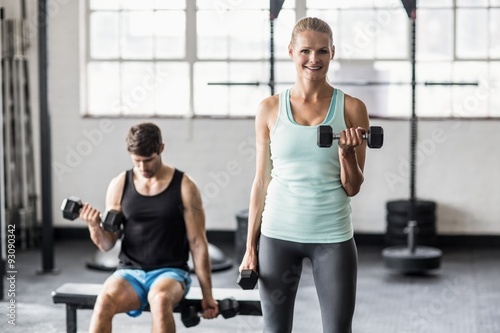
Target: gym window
x=168, y=58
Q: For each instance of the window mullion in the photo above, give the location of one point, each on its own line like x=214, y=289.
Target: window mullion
x=120, y=59
x=85, y=7
x=191, y=49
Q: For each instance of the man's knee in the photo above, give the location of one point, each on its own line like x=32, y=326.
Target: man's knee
x=162, y=300
x=106, y=305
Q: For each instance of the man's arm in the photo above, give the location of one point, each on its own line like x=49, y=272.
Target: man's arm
x=194, y=217
x=103, y=239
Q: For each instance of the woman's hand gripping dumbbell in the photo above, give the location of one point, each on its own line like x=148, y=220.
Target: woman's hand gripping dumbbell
x=374, y=136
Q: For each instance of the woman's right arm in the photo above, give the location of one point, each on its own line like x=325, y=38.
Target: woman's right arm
x=264, y=121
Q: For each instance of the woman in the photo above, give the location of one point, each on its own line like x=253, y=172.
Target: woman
x=300, y=198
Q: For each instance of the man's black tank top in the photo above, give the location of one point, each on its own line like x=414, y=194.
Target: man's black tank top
x=154, y=231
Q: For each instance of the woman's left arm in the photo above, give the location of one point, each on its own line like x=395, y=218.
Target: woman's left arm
x=352, y=147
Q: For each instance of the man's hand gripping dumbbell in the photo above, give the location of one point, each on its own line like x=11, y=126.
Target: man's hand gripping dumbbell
x=190, y=315
x=111, y=221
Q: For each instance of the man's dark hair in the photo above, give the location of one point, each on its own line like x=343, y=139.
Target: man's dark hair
x=144, y=139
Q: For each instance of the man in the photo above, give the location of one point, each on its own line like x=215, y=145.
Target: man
x=163, y=220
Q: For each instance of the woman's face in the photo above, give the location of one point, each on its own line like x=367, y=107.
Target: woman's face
x=312, y=52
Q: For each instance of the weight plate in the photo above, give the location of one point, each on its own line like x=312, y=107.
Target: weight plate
x=403, y=206
x=421, y=231
x=402, y=220
x=400, y=240
x=400, y=258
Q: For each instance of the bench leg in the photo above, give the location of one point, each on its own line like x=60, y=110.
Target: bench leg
x=70, y=318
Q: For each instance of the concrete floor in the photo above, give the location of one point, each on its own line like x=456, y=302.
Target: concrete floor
x=463, y=296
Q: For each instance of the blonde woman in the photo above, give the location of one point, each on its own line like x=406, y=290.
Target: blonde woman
x=300, y=198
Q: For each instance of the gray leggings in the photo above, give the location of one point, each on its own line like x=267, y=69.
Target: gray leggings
x=334, y=267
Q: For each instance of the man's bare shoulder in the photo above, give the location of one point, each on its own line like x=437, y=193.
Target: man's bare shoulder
x=191, y=195
x=188, y=184
x=118, y=179
x=115, y=189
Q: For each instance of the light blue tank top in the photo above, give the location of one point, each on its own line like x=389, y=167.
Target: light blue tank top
x=305, y=200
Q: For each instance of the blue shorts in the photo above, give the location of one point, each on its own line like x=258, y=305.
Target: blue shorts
x=143, y=281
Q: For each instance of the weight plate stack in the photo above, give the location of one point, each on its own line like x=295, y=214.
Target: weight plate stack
x=397, y=221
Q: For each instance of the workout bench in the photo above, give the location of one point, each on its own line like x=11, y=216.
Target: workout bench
x=78, y=296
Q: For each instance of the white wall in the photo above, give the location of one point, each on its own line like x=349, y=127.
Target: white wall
x=458, y=160
x=457, y=168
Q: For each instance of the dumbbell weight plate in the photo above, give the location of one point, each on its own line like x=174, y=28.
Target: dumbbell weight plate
x=229, y=307
x=112, y=221
x=247, y=279
x=190, y=316
x=375, y=137
x=325, y=136
x=71, y=208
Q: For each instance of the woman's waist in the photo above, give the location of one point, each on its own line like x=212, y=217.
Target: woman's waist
x=329, y=189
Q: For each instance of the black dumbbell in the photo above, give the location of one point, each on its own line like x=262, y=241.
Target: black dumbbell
x=229, y=308
x=374, y=137
x=191, y=316
x=71, y=207
x=247, y=279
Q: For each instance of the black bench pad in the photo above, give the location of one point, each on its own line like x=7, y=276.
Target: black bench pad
x=83, y=296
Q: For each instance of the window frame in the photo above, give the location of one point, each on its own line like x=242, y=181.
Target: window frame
x=300, y=7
